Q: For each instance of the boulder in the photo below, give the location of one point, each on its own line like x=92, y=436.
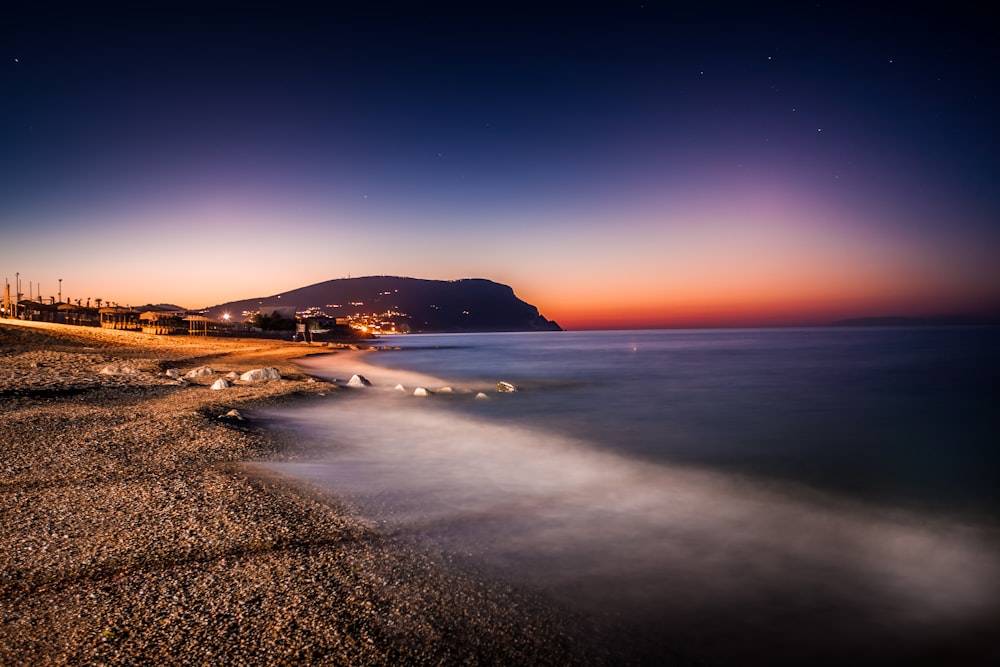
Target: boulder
x=481, y=396
x=420, y=391
x=201, y=371
x=258, y=374
x=358, y=381
x=172, y=373
x=506, y=387
x=221, y=383
x=400, y=387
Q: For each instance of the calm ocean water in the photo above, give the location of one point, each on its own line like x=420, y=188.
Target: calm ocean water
x=822, y=477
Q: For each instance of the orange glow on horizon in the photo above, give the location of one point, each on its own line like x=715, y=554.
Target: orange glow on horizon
x=794, y=308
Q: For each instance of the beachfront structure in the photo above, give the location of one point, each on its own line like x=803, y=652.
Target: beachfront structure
x=199, y=325
x=119, y=317
x=167, y=322
x=34, y=311
x=51, y=311
x=78, y=315
x=147, y=319
x=162, y=322
x=37, y=311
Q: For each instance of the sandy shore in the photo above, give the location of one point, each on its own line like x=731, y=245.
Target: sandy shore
x=130, y=533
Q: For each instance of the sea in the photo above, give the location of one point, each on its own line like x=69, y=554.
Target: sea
x=729, y=496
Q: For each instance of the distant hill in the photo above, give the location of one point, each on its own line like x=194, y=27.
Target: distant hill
x=410, y=304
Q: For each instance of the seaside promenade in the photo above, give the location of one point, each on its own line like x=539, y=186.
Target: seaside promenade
x=131, y=532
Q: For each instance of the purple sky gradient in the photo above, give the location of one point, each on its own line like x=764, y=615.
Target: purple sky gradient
x=618, y=165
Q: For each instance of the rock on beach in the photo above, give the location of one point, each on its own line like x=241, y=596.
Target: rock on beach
x=358, y=381
x=260, y=374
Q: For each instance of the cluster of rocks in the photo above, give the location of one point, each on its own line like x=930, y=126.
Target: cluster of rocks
x=225, y=382
x=360, y=381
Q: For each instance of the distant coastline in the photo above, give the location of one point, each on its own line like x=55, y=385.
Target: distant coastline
x=344, y=308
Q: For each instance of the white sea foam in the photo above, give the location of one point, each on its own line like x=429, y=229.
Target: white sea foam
x=590, y=524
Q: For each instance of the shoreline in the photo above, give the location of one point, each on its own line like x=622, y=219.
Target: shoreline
x=738, y=569
x=131, y=531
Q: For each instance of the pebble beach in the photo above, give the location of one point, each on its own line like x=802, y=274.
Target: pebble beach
x=135, y=528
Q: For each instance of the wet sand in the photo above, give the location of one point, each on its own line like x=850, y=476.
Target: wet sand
x=131, y=532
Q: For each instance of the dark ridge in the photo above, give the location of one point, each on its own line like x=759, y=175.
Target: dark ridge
x=416, y=305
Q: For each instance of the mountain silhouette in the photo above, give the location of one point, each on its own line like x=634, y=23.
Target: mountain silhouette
x=412, y=304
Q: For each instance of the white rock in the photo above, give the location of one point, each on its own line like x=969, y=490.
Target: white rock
x=201, y=371
x=358, y=381
x=445, y=390
x=506, y=387
x=221, y=383
x=481, y=395
x=172, y=373
x=233, y=375
x=261, y=374
x=420, y=391
x=400, y=387
x=118, y=369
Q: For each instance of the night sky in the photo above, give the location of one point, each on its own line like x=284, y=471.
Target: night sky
x=618, y=164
